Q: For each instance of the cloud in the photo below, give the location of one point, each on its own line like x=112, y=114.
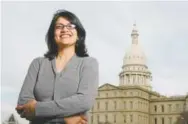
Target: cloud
x=162, y=27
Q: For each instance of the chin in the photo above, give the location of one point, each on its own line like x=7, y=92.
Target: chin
x=66, y=44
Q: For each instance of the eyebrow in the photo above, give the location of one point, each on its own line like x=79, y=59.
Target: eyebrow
x=62, y=24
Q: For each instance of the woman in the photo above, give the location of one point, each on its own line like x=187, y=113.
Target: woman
x=62, y=86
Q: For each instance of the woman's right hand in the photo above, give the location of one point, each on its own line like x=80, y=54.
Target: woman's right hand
x=77, y=119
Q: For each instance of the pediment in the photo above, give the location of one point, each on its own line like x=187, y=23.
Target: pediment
x=107, y=87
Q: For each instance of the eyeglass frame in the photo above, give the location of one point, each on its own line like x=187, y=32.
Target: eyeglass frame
x=68, y=26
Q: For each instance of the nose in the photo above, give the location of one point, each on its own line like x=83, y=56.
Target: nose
x=64, y=29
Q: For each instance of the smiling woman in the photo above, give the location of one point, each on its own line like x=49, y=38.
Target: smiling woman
x=60, y=87
x=65, y=33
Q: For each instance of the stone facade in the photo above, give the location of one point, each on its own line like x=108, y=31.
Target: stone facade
x=133, y=101
x=135, y=105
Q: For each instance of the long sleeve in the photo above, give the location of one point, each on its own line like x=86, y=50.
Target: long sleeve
x=80, y=102
x=26, y=92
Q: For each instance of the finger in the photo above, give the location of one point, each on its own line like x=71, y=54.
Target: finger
x=25, y=106
x=19, y=107
x=22, y=115
x=19, y=111
x=84, y=117
x=83, y=122
x=25, y=113
x=28, y=118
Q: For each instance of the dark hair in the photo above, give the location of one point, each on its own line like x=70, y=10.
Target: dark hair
x=80, y=47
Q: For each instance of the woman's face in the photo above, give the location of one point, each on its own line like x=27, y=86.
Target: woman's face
x=65, y=33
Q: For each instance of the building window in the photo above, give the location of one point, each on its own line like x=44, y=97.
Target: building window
x=98, y=105
x=125, y=105
x=169, y=107
x=131, y=93
x=91, y=118
x=106, y=118
x=139, y=118
x=115, y=105
x=134, y=80
x=162, y=108
x=98, y=118
x=125, y=93
x=106, y=94
x=155, y=120
x=131, y=118
x=170, y=120
x=131, y=105
x=162, y=120
x=128, y=78
x=114, y=118
x=146, y=120
x=125, y=118
x=177, y=107
x=155, y=108
x=139, y=104
x=92, y=109
x=106, y=105
x=115, y=93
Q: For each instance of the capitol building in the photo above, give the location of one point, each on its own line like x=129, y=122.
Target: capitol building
x=134, y=101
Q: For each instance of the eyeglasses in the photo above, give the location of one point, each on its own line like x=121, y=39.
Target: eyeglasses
x=68, y=26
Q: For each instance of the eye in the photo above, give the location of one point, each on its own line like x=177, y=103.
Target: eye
x=58, y=27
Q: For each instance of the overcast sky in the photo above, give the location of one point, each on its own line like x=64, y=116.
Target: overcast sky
x=163, y=34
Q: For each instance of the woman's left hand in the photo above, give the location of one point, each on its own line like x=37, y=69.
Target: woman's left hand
x=28, y=109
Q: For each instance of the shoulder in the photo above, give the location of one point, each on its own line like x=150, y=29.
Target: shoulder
x=37, y=61
x=90, y=61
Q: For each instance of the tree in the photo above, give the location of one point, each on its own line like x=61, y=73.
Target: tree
x=183, y=119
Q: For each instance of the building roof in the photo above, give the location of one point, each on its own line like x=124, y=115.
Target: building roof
x=15, y=117
x=135, y=54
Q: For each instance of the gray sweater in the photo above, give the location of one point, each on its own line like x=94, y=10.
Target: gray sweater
x=60, y=94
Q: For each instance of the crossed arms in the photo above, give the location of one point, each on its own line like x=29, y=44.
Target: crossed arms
x=80, y=102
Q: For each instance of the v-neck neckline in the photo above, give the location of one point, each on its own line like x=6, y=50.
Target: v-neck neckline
x=65, y=67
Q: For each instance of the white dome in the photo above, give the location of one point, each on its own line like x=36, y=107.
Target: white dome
x=135, y=55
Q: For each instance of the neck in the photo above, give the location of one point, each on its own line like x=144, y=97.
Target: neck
x=66, y=52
